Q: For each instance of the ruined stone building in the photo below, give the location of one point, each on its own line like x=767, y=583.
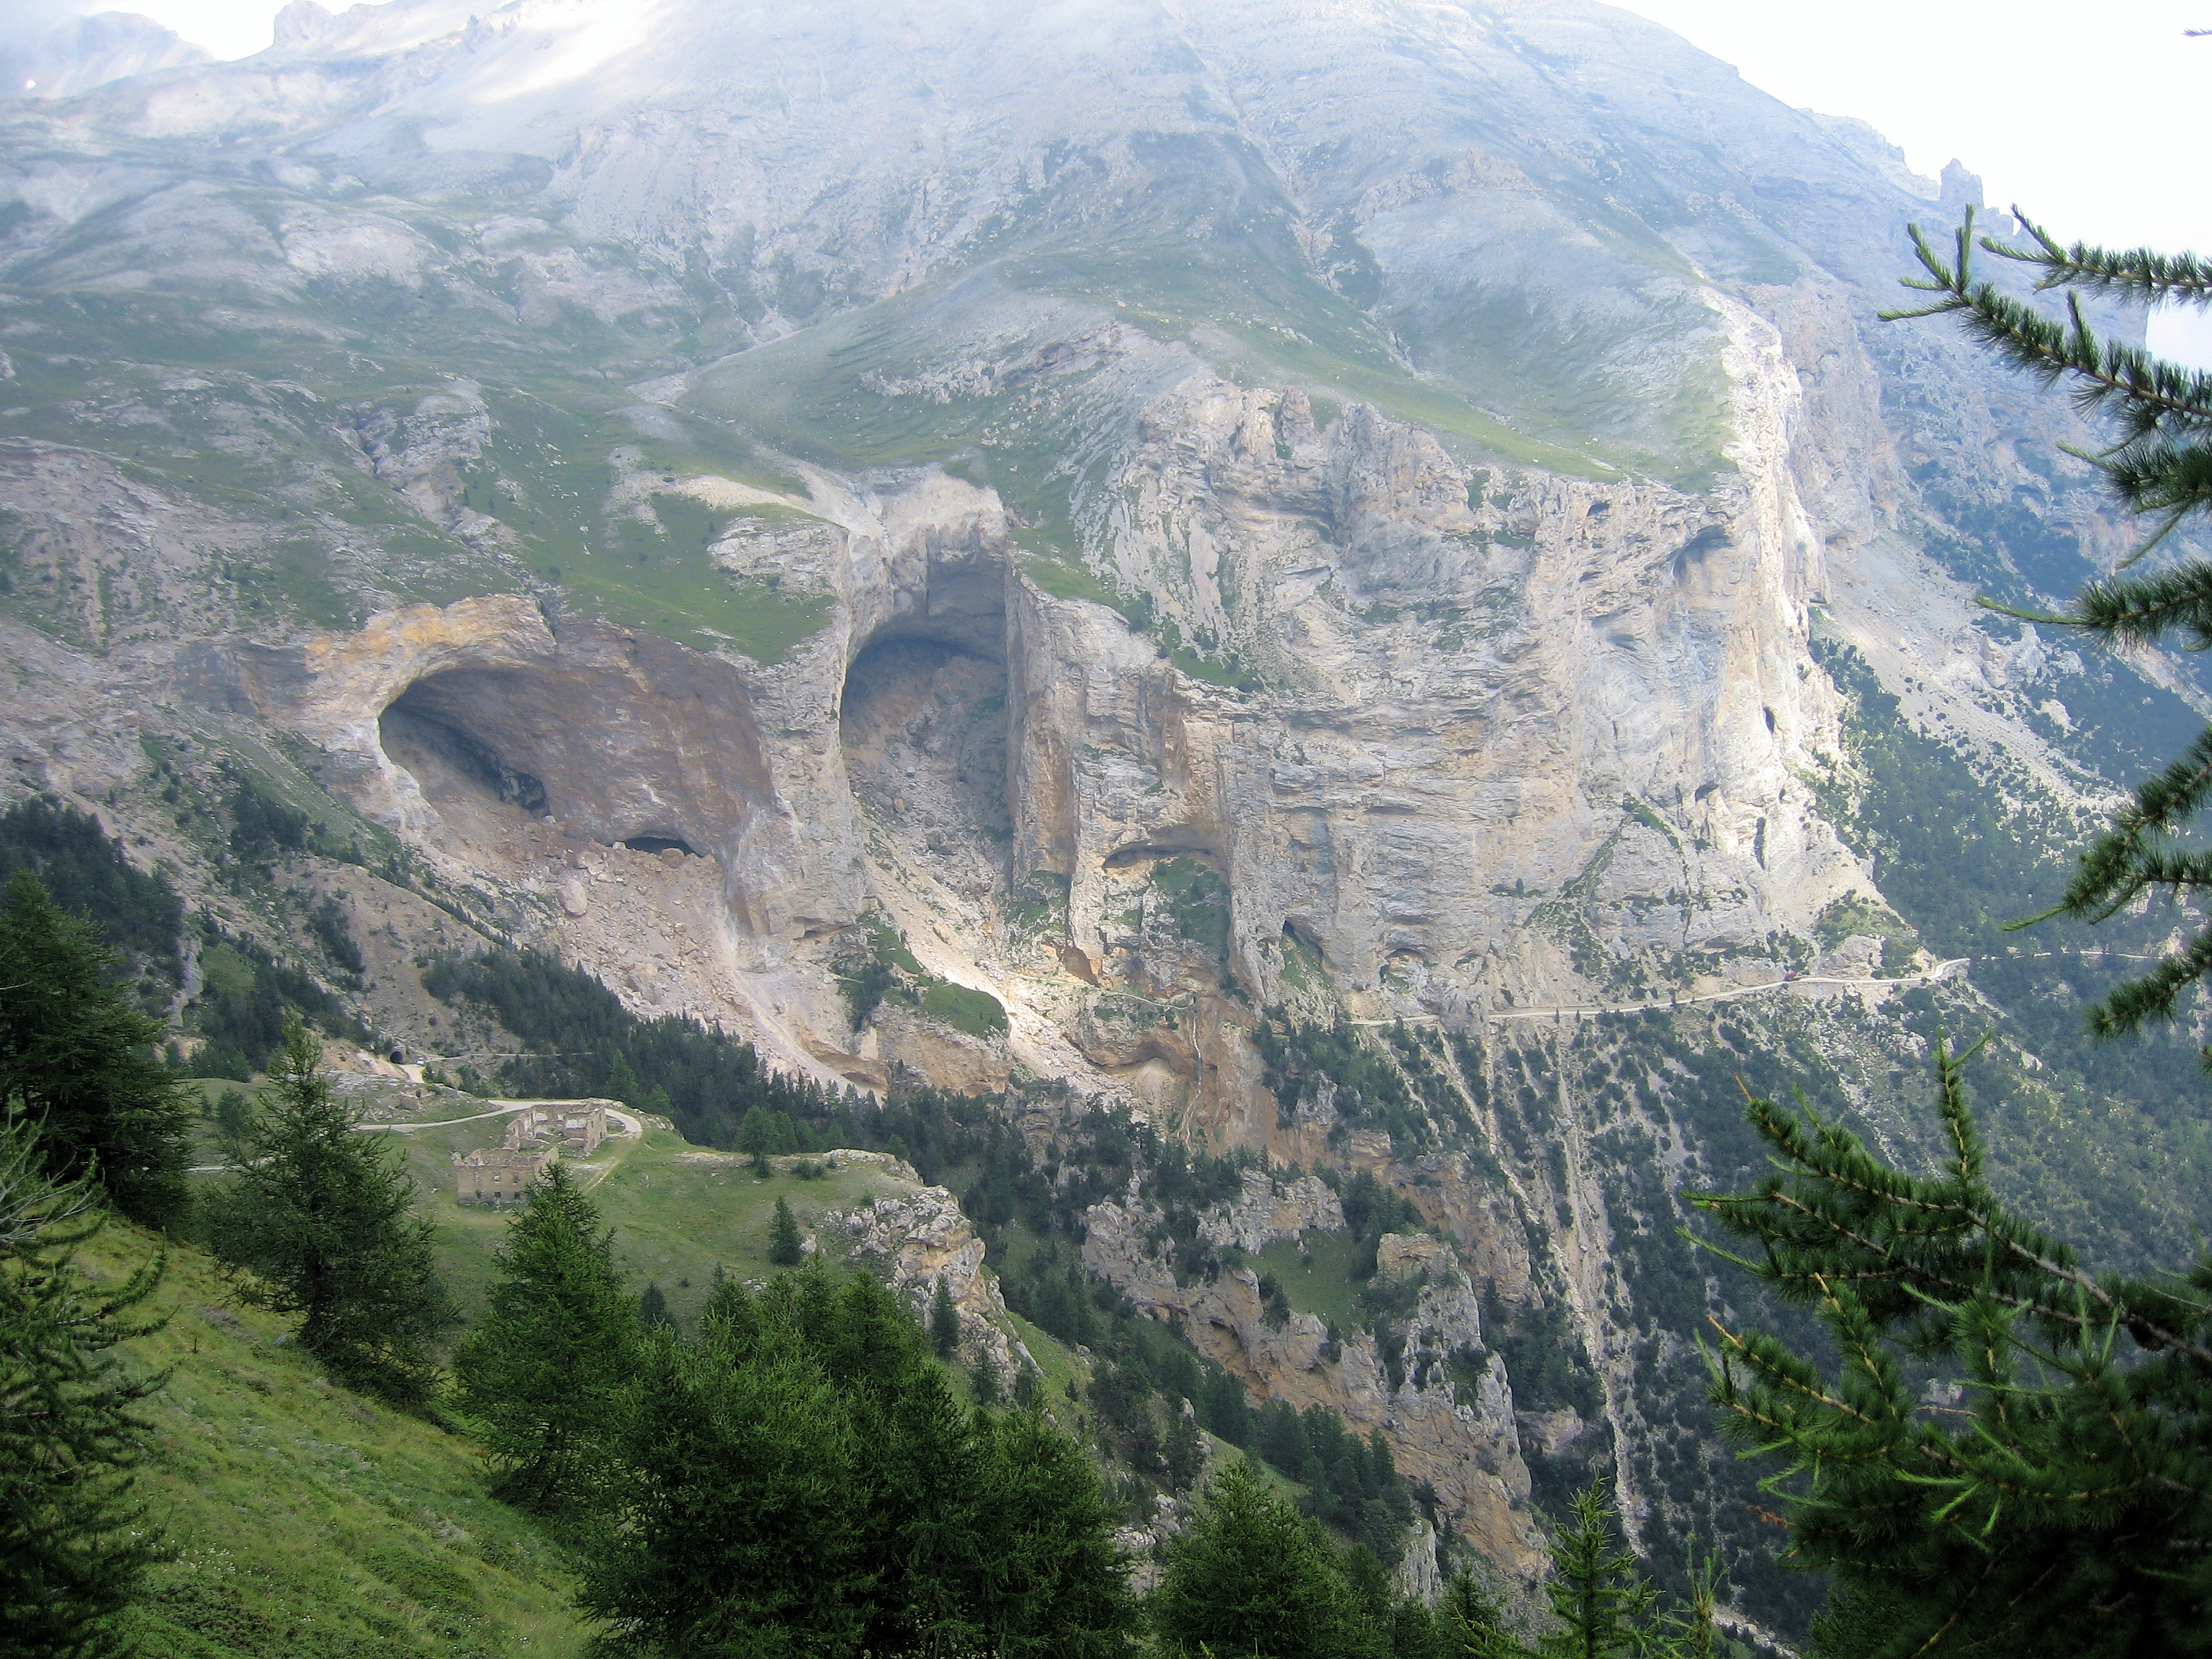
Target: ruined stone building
x=579, y=1125
x=499, y=1175
x=535, y=1137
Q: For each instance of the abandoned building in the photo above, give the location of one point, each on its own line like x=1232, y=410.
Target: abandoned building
x=499, y=1175
x=535, y=1137
x=579, y=1125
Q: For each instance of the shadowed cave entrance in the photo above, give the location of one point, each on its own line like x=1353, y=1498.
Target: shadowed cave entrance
x=924, y=729
x=489, y=747
x=427, y=731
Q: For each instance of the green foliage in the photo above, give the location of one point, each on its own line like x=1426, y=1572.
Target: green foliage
x=888, y=968
x=315, y=1219
x=1855, y=914
x=1250, y=1578
x=1298, y=1057
x=1601, y=1603
x=944, y=1321
x=264, y=827
x=800, y=1480
x=1471, y=1622
x=538, y=1373
x=78, y=1061
x=580, y=1040
x=74, y=1542
x=332, y=929
x=660, y=576
x=1351, y=1483
x=863, y=986
x=785, y=1247
x=86, y=874
x=1918, y=807
x=246, y=997
x=978, y=1013
x=2054, y=1507
x=2162, y=465
x=732, y=1536
x=1196, y=898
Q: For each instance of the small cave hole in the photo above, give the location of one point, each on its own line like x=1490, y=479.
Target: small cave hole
x=1168, y=846
x=661, y=844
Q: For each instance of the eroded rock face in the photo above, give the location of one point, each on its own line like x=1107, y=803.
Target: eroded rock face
x=1248, y=660
x=916, y=1241
x=1458, y=1435
x=1268, y=1209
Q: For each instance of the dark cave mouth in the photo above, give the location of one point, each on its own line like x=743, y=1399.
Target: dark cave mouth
x=662, y=844
x=413, y=718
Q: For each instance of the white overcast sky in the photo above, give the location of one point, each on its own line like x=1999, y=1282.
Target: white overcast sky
x=2089, y=113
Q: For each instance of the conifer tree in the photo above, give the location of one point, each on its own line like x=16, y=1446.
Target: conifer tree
x=2162, y=465
x=1601, y=1605
x=800, y=1480
x=2060, y=1505
x=73, y=1543
x=925, y=1471
x=944, y=1321
x=784, y=1248
x=652, y=1307
x=1471, y=1621
x=542, y=1372
x=79, y=1062
x=1184, y=1448
x=1061, y=1585
x=1251, y=1578
x=2057, y=1510
x=731, y=1528
x=314, y=1219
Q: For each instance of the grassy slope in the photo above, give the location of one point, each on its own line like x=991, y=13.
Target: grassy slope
x=308, y=1522
x=678, y=1211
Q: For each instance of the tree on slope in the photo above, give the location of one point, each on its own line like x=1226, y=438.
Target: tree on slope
x=944, y=1321
x=732, y=1530
x=2060, y=1503
x=541, y=1372
x=784, y=1248
x=78, y=1061
x=1061, y=1586
x=799, y=1480
x=1252, y=1578
x=315, y=1220
x=72, y=1541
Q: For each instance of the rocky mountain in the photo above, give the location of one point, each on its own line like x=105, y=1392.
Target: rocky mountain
x=1357, y=582
x=77, y=54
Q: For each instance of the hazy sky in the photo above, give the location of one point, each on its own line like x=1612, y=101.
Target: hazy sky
x=2087, y=112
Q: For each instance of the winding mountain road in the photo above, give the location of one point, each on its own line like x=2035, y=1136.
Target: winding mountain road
x=629, y=1125
x=1950, y=969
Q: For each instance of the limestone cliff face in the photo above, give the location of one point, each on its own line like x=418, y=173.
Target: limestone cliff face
x=1445, y=1401
x=917, y=1242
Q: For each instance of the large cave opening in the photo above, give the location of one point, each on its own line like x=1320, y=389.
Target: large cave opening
x=924, y=729
x=473, y=770
x=489, y=747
